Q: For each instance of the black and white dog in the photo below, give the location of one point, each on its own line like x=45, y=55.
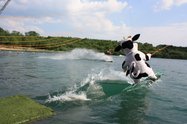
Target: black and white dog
x=135, y=63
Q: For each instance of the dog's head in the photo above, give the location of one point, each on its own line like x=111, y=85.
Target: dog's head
x=127, y=44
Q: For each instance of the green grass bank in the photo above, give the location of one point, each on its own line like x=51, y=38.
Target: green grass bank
x=21, y=109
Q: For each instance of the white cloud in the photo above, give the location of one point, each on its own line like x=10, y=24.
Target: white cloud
x=86, y=18
x=21, y=24
x=180, y=2
x=168, y=4
x=89, y=19
x=174, y=34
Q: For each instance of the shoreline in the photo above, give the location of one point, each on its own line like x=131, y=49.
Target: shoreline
x=20, y=49
x=30, y=49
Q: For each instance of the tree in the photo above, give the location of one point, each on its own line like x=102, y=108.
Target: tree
x=16, y=33
x=3, y=32
x=32, y=33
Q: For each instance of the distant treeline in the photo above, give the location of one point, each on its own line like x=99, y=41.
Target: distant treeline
x=34, y=40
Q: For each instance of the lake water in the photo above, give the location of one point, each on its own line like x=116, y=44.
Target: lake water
x=84, y=88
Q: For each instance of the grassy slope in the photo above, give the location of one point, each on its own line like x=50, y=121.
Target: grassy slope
x=21, y=109
x=106, y=46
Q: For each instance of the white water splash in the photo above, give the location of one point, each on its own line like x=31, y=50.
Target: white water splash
x=86, y=54
x=69, y=96
x=106, y=74
x=93, y=89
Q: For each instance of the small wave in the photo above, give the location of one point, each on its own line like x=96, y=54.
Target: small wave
x=68, y=96
x=106, y=74
x=90, y=87
x=85, y=54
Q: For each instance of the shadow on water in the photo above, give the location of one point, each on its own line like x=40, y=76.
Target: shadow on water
x=111, y=88
x=125, y=103
x=133, y=105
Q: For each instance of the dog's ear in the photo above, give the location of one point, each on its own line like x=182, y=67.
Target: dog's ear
x=136, y=37
x=118, y=48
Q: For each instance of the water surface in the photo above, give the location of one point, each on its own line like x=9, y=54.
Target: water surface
x=83, y=87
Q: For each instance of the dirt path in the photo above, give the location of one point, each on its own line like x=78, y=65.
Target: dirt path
x=17, y=48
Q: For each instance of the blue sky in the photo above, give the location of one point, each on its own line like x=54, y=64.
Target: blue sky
x=158, y=21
